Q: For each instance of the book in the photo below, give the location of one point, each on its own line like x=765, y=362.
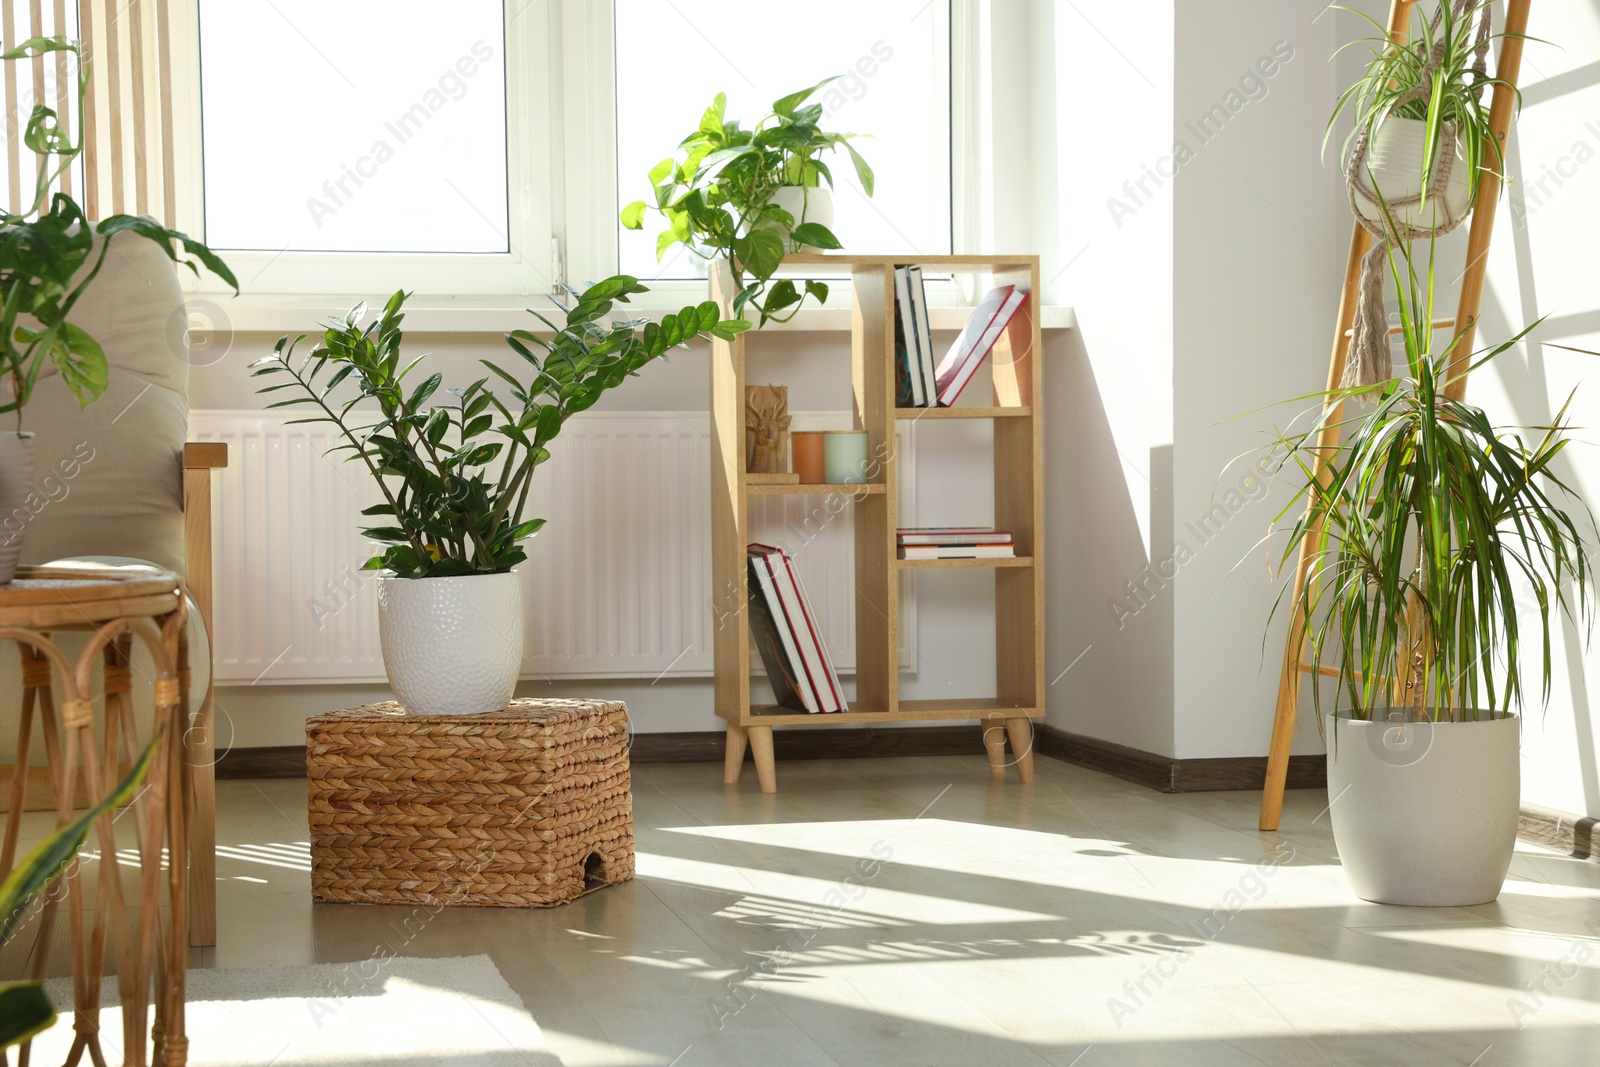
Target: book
x=770, y=633
x=958, y=552
x=953, y=535
x=977, y=338
x=905, y=318
x=919, y=310
x=805, y=637
x=829, y=674
x=903, y=397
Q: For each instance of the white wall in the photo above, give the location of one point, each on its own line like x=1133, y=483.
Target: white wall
x=1196, y=251
x=1103, y=109
x=1543, y=264
x=1261, y=238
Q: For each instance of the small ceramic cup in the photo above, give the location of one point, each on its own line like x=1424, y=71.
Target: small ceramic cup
x=844, y=457
x=808, y=457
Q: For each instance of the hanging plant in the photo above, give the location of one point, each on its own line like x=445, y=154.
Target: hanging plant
x=1420, y=146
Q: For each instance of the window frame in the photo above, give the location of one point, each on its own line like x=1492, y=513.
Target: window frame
x=561, y=104
x=525, y=269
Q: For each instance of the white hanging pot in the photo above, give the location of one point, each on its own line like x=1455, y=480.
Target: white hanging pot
x=1394, y=169
x=16, y=482
x=1424, y=813
x=451, y=646
x=808, y=203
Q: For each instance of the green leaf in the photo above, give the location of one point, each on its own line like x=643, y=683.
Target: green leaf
x=548, y=424
x=81, y=361
x=863, y=172
x=816, y=235
x=50, y=858
x=762, y=253
x=711, y=120
x=785, y=105
x=25, y=1012
x=633, y=215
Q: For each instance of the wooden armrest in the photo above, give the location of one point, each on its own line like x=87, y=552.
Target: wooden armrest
x=205, y=455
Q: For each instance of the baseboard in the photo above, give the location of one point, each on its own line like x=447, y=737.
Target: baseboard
x=1168, y=775
x=275, y=761
x=693, y=746
x=1559, y=831
x=1161, y=773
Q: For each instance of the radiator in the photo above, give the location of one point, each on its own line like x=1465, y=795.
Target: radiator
x=617, y=585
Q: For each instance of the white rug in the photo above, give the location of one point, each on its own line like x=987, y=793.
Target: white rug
x=395, y=1012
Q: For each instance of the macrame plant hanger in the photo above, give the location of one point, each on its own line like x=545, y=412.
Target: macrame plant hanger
x=1368, y=362
x=1361, y=315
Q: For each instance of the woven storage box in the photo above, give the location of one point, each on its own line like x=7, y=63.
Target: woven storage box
x=526, y=807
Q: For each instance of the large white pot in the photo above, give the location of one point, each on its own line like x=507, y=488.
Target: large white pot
x=1424, y=814
x=812, y=203
x=16, y=482
x=1394, y=169
x=451, y=646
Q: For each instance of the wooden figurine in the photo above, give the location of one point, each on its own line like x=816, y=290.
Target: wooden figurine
x=766, y=411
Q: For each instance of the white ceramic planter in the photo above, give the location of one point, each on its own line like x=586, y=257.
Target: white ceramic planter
x=1424, y=814
x=1394, y=169
x=451, y=646
x=809, y=204
x=16, y=482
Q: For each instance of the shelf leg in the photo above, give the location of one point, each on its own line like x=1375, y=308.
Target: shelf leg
x=733, y=761
x=994, y=743
x=1020, y=730
x=761, y=752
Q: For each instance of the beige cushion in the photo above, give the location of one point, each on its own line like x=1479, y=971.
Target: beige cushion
x=110, y=476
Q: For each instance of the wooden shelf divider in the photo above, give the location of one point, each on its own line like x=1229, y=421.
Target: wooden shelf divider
x=1018, y=506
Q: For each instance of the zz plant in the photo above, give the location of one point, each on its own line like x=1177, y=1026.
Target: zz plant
x=1433, y=518
x=43, y=250
x=717, y=198
x=455, y=475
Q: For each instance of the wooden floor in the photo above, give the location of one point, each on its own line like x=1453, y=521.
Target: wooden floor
x=917, y=911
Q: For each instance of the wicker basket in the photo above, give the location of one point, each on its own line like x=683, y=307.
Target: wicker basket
x=526, y=807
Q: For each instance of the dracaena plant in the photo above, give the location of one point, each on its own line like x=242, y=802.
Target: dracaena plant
x=1455, y=87
x=455, y=474
x=43, y=248
x=717, y=197
x=1439, y=527
x=25, y=1008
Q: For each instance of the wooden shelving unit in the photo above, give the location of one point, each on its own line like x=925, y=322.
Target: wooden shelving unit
x=1018, y=507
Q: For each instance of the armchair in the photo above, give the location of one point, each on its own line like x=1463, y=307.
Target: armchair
x=119, y=479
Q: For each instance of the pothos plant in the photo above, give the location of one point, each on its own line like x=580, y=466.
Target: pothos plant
x=717, y=198
x=455, y=475
x=43, y=249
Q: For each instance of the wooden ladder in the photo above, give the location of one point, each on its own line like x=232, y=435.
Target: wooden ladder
x=1501, y=106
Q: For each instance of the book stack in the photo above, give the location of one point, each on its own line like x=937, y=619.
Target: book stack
x=919, y=381
x=784, y=630
x=955, y=542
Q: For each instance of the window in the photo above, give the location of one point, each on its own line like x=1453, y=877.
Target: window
x=894, y=57
x=483, y=148
x=343, y=127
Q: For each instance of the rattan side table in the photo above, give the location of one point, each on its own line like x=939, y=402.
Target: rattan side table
x=113, y=606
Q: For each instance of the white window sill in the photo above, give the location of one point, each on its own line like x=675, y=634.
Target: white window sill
x=496, y=315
